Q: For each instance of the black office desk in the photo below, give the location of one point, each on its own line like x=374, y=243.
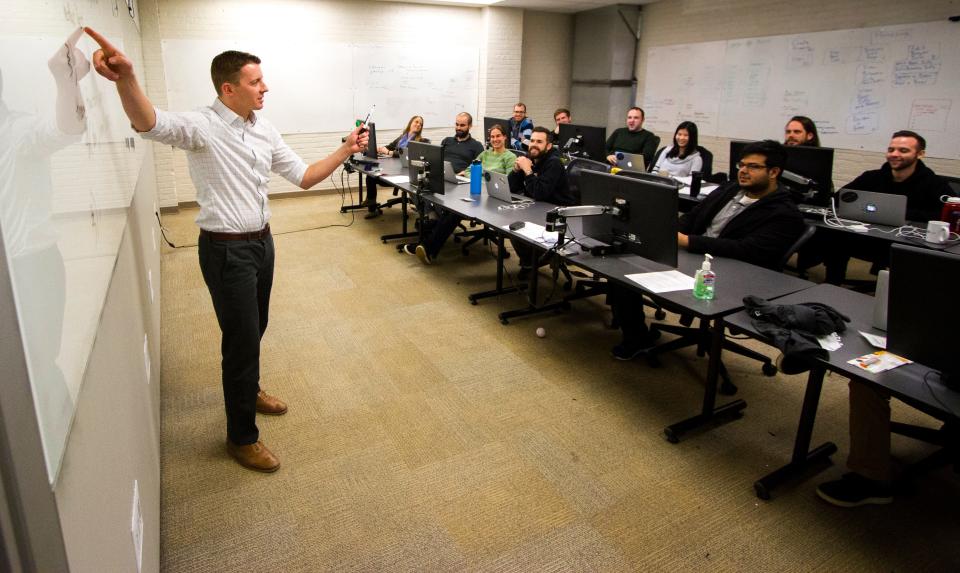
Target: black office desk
x=905, y=383
x=735, y=280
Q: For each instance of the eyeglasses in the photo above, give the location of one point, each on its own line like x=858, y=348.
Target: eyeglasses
x=750, y=166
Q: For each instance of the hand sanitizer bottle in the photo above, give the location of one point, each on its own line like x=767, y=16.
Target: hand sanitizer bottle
x=705, y=282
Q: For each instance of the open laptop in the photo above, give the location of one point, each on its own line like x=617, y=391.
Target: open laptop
x=404, y=160
x=450, y=175
x=871, y=207
x=630, y=161
x=498, y=187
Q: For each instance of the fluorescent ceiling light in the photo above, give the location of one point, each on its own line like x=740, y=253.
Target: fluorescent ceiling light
x=480, y=2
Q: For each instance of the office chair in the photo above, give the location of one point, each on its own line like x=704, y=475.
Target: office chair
x=953, y=182
x=706, y=170
x=947, y=437
x=656, y=157
x=690, y=336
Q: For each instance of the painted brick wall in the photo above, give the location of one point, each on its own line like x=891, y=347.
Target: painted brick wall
x=546, y=64
x=497, y=32
x=690, y=21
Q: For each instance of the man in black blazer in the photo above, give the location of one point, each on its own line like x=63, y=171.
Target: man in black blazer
x=751, y=219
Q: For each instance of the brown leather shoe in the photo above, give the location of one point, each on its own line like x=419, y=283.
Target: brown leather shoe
x=254, y=456
x=270, y=405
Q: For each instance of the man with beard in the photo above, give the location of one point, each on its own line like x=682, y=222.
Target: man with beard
x=632, y=139
x=801, y=130
x=460, y=150
x=541, y=177
x=904, y=173
x=752, y=219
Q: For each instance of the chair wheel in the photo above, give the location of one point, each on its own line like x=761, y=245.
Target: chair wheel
x=660, y=314
x=671, y=437
x=728, y=388
x=768, y=369
x=762, y=491
x=504, y=321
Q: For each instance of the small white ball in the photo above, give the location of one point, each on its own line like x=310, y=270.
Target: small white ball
x=541, y=332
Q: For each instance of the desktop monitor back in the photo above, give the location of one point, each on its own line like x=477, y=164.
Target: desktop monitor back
x=814, y=163
x=593, y=140
x=433, y=156
x=649, y=228
x=371, y=151
x=922, y=313
x=489, y=122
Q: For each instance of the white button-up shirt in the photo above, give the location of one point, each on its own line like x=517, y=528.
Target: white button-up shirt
x=230, y=161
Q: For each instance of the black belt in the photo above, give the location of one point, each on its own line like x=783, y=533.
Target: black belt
x=251, y=236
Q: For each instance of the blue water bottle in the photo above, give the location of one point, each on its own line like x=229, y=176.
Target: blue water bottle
x=476, y=178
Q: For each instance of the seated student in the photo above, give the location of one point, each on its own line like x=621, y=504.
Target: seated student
x=520, y=127
x=460, y=150
x=682, y=158
x=752, y=219
x=542, y=177
x=904, y=173
x=562, y=115
x=801, y=130
x=498, y=158
x=410, y=133
x=632, y=139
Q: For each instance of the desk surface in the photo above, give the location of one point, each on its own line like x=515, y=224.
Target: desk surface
x=906, y=382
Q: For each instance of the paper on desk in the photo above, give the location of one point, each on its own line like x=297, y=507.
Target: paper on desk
x=663, y=281
x=536, y=233
x=705, y=188
x=875, y=340
x=398, y=179
x=830, y=342
x=879, y=361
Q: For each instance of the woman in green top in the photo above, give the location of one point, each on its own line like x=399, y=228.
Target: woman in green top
x=498, y=158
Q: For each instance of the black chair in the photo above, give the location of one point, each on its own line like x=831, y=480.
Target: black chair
x=953, y=182
x=690, y=336
x=656, y=157
x=706, y=170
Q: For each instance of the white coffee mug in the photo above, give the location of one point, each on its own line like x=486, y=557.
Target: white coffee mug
x=938, y=231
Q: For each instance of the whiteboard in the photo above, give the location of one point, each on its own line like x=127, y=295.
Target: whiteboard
x=331, y=86
x=859, y=86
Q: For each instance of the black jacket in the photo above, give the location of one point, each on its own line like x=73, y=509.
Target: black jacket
x=392, y=146
x=548, y=182
x=761, y=234
x=923, y=189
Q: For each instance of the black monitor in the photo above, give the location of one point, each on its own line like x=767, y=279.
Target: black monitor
x=371, y=151
x=649, y=225
x=811, y=163
x=426, y=158
x=489, y=122
x=922, y=315
x=583, y=141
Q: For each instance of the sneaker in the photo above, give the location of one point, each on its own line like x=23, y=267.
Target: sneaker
x=373, y=214
x=410, y=249
x=423, y=255
x=854, y=490
x=629, y=351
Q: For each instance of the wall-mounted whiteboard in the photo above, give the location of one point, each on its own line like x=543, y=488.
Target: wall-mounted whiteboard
x=859, y=86
x=326, y=87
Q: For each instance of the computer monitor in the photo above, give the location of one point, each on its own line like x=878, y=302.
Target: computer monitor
x=648, y=227
x=489, y=122
x=428, y=158
x=587, y=141
x=371, y=151
x=814, y=163
x=922, y=314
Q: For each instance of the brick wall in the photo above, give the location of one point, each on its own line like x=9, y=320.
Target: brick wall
x=691, y=21
x=546, y=64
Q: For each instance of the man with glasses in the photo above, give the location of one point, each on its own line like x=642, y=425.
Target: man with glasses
x=751, y=219
x=520, y=127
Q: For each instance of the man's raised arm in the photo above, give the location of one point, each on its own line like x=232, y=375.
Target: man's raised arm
x=114, y=65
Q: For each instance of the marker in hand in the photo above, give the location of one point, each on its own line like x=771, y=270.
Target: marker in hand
x=363, y=124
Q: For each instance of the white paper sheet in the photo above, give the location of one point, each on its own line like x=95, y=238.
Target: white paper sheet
x=536, y=232
x=398, y=179
x=663, y=281
x=875, y=340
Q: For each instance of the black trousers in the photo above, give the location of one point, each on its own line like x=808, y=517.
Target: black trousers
x=445, y=225
x=371, y=200
x=627, y=306
x=239, y=276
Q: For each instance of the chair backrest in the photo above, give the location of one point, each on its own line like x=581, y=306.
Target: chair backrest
x=707, y=156
x=808, y=232
x=656, y=157
x=579, y=164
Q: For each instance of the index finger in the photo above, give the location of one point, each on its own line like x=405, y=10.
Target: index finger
x=108, y=48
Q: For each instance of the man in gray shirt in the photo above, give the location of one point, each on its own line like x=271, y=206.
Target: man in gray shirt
x=231, y=152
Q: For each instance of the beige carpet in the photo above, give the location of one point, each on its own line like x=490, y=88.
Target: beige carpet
x=425, y=436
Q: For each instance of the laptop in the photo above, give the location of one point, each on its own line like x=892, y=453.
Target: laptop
x=871, y=207
x=450, y=175
x=404, y=160
x=630, y=161
x=498, y=187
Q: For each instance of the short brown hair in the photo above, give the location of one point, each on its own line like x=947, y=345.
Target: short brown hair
x=921, y=142
x=560, y=110
x=226, y=67
x=521, y=104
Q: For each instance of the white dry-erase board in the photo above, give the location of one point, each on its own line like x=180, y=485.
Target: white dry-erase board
x=328, y=86
x=859, y=86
